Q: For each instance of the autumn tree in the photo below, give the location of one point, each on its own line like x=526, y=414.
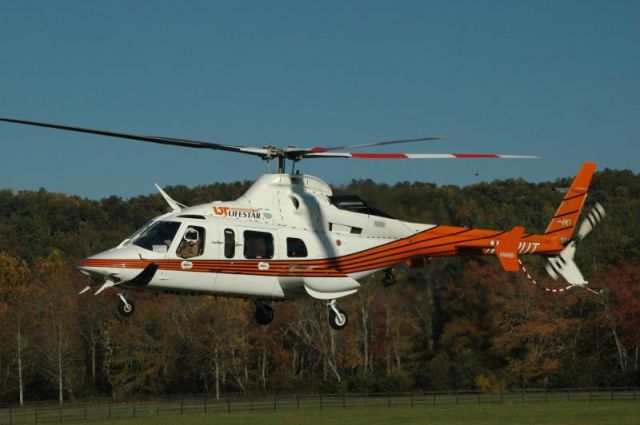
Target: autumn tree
x=14, y=278
x=55, y=305
x=620, y=314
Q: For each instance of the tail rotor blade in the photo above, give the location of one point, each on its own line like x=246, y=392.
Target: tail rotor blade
x=594, y=216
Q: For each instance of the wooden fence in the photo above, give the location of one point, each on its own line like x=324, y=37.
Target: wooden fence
x=37, y=413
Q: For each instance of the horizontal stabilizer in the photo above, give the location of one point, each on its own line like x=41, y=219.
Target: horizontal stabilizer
x=507, y=249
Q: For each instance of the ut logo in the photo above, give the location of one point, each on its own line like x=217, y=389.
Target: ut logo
x=220, y=210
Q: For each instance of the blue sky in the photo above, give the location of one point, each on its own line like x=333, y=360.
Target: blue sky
x=559, y=79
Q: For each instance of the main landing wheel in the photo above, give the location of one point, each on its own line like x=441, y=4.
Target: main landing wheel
x=389, y=278
x=125, y=308
x=264, y=314
x=338, y=318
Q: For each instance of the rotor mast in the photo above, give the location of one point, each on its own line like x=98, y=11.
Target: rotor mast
x=272, y=152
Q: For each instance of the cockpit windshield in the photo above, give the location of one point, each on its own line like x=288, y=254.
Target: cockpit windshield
x=137, y=233
x=158, y=237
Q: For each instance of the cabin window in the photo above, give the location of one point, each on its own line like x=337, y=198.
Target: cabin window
x=296, y=248
x=229, y=243
x=258, y=244
x=192, y=243
x=158, y=237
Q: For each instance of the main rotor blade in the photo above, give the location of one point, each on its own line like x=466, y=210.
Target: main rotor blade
x=362, y=155
x=318, y=149
x=143, y=138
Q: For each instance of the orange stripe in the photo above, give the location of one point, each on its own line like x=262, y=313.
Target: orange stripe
x=431, y=242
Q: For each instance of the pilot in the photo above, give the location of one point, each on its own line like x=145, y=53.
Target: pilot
x=190, y=244
x=188, y=249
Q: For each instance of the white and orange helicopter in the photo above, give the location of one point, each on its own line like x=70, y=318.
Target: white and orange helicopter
x=289, y=236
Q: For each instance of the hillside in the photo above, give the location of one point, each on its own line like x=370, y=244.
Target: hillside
x=457, y=323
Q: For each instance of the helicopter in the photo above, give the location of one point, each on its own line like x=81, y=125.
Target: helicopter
x=289, y=236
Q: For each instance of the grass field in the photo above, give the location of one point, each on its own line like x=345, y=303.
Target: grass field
x=556, y=413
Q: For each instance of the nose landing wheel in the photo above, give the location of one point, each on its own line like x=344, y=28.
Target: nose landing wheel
x=338, y=318
x=125, y=308
x=264, y=313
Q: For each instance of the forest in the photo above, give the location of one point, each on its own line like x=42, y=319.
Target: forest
x=457, y=323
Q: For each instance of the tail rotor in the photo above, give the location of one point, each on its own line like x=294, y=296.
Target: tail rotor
x=563, y=264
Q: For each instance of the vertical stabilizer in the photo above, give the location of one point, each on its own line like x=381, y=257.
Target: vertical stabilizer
x=566, y=217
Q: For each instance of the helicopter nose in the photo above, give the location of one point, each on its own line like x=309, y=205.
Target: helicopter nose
x=99, y=264
x=118, y=263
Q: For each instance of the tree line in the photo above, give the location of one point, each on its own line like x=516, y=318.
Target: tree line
x=457, y=323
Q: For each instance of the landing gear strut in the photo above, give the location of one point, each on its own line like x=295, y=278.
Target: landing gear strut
x=125, y=308
x=264, y=313
x=389, y=278
x=338, y=318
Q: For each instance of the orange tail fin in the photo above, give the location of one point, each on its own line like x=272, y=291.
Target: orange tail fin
x=566, y=217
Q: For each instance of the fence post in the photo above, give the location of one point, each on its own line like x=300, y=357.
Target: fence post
x=411, y=395
x=321, y=406
x=568, y=395
x=109, y=409
x=434, y=399
x=612, y=397
x=501, y=395
x=344, y=401
x=388, y=399
x=11, y=416
x=523, y=394
x=35, y=416
x=182, y=405
x=297, y=401
x=228, y=405
x=60, y=413
x=204, y=400
x=85, y=412
x=479, y=395
x=366, y=399
x=134, y=410
x=456, y=396
x=251, y=403
x=275, y=402
x=589, y=393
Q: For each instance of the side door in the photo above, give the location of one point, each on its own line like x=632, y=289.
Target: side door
x=229, y=250
x=259, y=248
